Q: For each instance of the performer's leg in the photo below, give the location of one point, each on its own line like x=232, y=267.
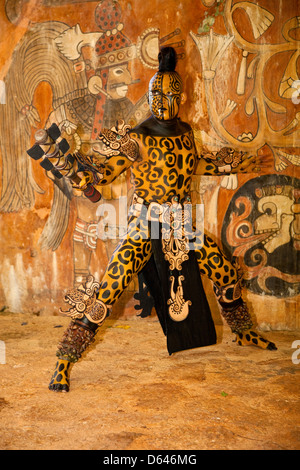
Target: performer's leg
x=131, y=255
x=77, y=337
x=227, y=286
x=90, y=303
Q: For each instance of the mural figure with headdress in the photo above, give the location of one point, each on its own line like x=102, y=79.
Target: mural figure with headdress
x=89, y=76
x=105, y=64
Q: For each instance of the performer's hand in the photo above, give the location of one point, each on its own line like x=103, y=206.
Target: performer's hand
x=230, y=161
x=86, y=178
x=255, y=163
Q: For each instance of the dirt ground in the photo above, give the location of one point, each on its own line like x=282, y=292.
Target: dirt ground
x=127, y=393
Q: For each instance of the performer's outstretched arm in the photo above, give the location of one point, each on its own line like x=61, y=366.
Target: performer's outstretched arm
x=115, y=154
x=228, y=160
x=119, y=150
x=116, y=151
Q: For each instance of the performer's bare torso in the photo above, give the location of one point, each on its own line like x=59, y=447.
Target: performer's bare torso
x=165, y=167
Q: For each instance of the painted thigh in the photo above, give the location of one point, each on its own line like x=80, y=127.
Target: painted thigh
x=213, y=263
x=130, y=256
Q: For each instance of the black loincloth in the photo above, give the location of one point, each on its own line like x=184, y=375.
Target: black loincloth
x=198, y=329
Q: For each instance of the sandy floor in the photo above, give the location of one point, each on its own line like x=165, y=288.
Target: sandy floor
x=127, y=393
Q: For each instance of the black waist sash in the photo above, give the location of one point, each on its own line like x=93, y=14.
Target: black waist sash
x=197, y=329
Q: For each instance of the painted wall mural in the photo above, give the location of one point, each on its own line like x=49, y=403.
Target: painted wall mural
x=261, y=229
x=257, y=55
x=260, y=224
x=85, y=64
x=89, y=77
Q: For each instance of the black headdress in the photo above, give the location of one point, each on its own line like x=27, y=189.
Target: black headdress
x=167, y=59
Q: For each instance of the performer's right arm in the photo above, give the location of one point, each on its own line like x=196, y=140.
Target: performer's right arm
x=98, y=172
x=115, y=154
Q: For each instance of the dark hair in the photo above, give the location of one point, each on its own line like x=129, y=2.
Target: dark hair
x=167, y=59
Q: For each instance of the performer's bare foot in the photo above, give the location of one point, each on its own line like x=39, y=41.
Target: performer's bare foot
x=60, y=381
x=251, y=337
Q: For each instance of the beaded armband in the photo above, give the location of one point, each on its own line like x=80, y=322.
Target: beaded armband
x=117, y=141
x=225, y=159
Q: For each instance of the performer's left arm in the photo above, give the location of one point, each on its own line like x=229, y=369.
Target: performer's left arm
x=230, y=161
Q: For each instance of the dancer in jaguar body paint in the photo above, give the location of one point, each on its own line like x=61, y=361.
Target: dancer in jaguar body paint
x=162, y=157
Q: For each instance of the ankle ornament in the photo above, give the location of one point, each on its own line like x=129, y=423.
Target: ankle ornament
x=237, y=316
x=77, y=337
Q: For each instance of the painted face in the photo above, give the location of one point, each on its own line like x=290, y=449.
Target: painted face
x=165, y=90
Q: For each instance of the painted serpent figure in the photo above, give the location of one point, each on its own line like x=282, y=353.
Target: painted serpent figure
x=162, y=157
